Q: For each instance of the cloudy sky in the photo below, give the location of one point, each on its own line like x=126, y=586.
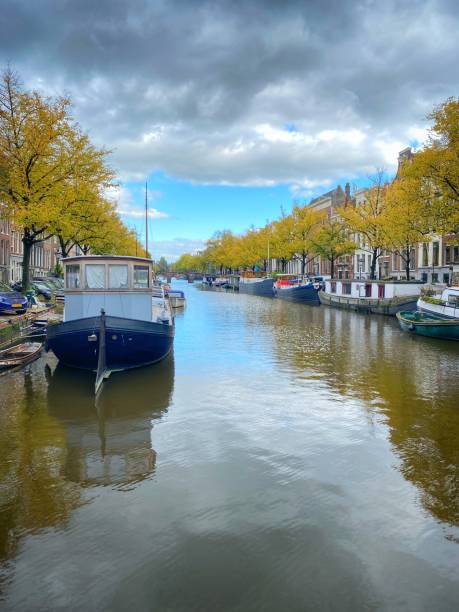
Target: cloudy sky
x=234, y=109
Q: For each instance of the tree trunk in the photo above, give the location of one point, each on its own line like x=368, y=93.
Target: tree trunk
x=407, y=263
x=303, y=264
x=27, y=247
x=374, y=259
x=332, y=267
x=64, y=249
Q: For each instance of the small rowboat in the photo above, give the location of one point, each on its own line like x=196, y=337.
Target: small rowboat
x=428, y=325
x=19, y=355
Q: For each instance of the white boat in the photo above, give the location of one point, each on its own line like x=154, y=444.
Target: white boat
x=177, y=298
x=443, y=306
x=371, y=296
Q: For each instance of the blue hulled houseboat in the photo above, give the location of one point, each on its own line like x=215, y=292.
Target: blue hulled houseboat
x=297, y=289
x=254, y=283
x=111, y=321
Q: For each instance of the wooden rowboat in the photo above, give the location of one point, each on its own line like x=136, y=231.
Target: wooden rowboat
x=20, y=355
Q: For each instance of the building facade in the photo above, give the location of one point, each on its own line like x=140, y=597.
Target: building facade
x=5, y=241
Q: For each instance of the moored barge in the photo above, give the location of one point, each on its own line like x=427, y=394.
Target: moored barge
x=111, y=320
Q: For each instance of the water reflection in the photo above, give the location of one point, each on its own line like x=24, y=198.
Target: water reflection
x=54, y=440
x=34, y=491
x=412, y=382
x=109, y=441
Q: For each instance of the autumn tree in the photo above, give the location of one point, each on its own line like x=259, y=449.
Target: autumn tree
x=406, y=221
x=49, y=164
x=281, y=240
x=304, y=224
x=366, y=217
x=432, y=176
x=332, y=241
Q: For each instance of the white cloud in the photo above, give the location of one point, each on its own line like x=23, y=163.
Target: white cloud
x=172, y=249
x=123, y=198
x=209, y=103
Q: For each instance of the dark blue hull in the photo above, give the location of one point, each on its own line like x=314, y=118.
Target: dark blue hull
x=129, y=343
x=303, y=293
x=262, y=287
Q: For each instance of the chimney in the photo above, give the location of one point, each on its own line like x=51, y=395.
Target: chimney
x=404, y=156
x=347, y=192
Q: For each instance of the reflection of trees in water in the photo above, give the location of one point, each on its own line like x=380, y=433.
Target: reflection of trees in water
x=34, y=492
x=412, y=381
x=109, y=441
x=54, y=440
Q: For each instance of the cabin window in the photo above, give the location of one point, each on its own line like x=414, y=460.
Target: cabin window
x=72, y=276
x=347, y=289
x=95, y=276
x=141, y=277
x=117, y=276
x=333, y=286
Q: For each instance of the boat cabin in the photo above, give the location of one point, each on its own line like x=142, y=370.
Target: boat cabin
x=450, y=296
x=122, y=286
x=372, y=289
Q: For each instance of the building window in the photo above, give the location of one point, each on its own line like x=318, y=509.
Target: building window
x=447, y=255
x=333, y=286
x=446, y=278
x=95, y=276
x=434, y=277
x=425, y=255
x=456, y=254
x=435, y=253
x=346, y=288
x=117, y=276
x=386, y=269
x=424, y=277
x=72, y=276
x=141, y=279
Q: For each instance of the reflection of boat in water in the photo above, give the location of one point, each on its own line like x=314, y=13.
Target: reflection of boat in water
x=109, y=443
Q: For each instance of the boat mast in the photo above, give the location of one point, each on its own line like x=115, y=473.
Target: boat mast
x=146, y=219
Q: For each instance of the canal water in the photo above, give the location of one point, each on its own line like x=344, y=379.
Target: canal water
x=284, y=458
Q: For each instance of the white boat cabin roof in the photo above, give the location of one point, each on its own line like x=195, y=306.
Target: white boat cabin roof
x=107, y=274
x=450, y=292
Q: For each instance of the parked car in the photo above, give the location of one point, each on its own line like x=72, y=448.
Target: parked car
x=11, y=300
x=38, y=287
x=52, y=284
x=55, y=284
